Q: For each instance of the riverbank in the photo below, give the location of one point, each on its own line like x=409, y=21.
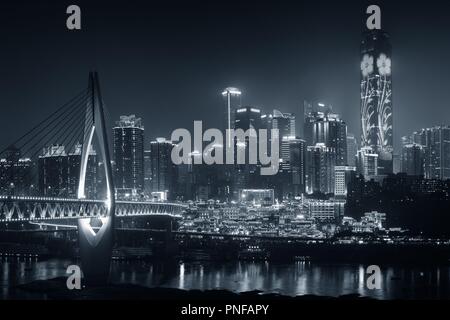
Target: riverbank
x=56, y=289
x=154, y=279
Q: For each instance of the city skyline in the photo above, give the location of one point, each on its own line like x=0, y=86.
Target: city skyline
x=196, y=95
x=332, y=181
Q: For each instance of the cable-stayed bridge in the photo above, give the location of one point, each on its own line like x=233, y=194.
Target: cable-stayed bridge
x=62, y=169
x=52, y=171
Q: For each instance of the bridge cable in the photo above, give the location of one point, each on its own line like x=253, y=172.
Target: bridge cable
x=73, y=131
x=38, y=137
x=47, y=119
x=38, y=146
x=56, y=129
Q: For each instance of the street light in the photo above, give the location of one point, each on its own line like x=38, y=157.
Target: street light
x=228, y=93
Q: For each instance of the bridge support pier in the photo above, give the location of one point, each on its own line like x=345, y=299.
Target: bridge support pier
x=96, y=247
x=95, y=250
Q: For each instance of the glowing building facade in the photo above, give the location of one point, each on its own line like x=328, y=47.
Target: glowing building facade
x=376, y=97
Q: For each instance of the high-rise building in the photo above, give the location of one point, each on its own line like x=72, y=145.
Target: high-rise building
x=321, y=161
x=367, y=163
x=285, y=154
x=285, y=123
x=412, y=160
x=266, y=121
x=16, y=173
x=311, y=112
x=376, y=97
x=73, y=173
x=342, y=176
x=53, y=172
x=59, y=172
x=147, y=172
x=245, y=118
x=352, y=149
x=324, y=126
x=193, y=179
x=162, y=168
x=185, y=181
x=233, y=97
x=285, y=181
x=298, y=165
x=129, y=156
x=436, y=147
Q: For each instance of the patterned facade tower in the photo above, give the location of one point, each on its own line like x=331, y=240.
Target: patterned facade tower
x=376, y=98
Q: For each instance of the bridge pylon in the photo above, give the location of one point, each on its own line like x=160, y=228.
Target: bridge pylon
x=95, y=235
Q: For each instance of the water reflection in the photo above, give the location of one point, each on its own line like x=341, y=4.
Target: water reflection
x=299, y=278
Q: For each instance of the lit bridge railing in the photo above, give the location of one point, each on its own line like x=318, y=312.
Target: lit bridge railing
x=14, y=208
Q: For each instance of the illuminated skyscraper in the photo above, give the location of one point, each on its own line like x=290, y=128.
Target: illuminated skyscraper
x=413, y=160
x=312, y=113
x=59, y=172
x=320, y=161
x=285, y=122
x=298, y=165
x=436, y=146
x=147, y=172
x=245, y=118
x=233, y=102
x=233, y=96
x=376, y=97
x=16, y=173
x=352, y=150
x=163, y=171
x=129, y=155
x=53, y=172
x=323, y=126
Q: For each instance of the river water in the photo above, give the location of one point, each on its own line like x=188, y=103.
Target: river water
x=297, y=278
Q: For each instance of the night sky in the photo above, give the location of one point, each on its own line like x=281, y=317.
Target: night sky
x=167, y=61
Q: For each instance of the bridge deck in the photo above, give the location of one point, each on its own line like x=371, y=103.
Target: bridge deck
x=16, y=208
